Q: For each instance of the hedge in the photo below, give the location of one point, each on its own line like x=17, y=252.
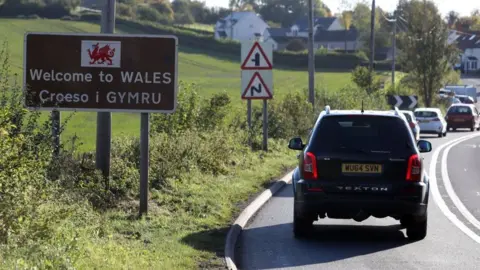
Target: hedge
x=205, y=42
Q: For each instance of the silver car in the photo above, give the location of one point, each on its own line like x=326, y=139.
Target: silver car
x=413, y=123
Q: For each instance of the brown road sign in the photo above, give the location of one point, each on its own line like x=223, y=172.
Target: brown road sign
x=101, y=72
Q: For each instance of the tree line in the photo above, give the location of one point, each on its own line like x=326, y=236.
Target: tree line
x=44, y=8
x=161, y=11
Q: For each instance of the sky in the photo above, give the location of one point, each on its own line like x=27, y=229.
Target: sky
x=464, y=7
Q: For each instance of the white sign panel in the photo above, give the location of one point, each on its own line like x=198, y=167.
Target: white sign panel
x=256, y=56
x=257, y=84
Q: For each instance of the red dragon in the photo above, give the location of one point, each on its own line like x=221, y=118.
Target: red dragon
x=104, y=54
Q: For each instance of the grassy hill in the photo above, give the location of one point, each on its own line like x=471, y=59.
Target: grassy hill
x=211, y=75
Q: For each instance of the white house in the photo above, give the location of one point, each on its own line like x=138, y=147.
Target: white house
x=240, y=26
x=469, y=45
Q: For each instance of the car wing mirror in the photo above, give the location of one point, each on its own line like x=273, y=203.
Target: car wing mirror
x=296, y=144
x=424, y=146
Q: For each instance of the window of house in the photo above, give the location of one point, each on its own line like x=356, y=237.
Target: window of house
x=473, y=65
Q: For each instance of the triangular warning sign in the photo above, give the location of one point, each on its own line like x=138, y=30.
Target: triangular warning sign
x=256, y=88
x=256, y=59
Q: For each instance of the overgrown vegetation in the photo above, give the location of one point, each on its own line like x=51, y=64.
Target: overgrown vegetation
x=426, y=53
x=57, y=213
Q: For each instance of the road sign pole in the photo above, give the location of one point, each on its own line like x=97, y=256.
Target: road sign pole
x=249, y=121
x=55, y=117
x=104, y=119
x=144, y=161
x=265, y=126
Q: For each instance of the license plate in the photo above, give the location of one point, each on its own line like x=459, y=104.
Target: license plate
x=362, y=168
x=424, y=121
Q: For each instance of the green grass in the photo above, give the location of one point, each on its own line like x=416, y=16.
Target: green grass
x=212, y=75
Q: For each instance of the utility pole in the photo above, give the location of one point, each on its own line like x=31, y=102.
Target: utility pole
x=372, y=42
x=311, y=56
x=104, y=119
x=394, y=41
x=394, y=46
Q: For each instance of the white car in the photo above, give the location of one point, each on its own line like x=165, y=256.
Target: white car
x=431, y=121
x=413, y=123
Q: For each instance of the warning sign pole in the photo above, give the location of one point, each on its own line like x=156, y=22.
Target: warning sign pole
x=257, y=81
x=265, y=125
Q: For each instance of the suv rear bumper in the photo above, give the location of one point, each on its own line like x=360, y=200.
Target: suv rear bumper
x=346, y=206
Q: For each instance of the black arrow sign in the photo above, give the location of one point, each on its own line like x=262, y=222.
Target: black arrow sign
x=403, y=102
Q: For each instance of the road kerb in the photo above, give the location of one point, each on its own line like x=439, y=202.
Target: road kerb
x=246, y=215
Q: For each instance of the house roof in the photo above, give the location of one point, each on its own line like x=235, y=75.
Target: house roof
x=321, y=22
x=336, y=36
x=237, y=15
x=468, y=40
x=278, y=32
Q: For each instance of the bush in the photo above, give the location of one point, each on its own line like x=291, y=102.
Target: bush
x=125, y=10
x=149, y=14
x=184, y=18
x=164, y=8
x=362, y=77
x=296, y=45
x=52, y=9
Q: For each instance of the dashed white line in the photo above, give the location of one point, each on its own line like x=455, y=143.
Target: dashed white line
x=451, y=193
x=438, y=197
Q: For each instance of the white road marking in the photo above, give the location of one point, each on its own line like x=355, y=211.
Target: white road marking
x=448, y=186
x=438, y=197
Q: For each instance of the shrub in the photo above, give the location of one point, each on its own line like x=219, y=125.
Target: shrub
x=296, y=45
x=184, y=18
x=164, y=8
x=125, y=10
x=366, y=80
x=149, y=14
x=51, y=9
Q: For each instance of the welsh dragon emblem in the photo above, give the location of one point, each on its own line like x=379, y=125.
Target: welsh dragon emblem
x=100, y=55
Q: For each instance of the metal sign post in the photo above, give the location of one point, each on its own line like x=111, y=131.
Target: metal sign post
x=257, y=80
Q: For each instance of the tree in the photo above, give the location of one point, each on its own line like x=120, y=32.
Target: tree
x=452, y=19
x=346, y=15
x=287, y=12
x=163, y=7
x=361, y=20
x=347, y=22
x=426, y=53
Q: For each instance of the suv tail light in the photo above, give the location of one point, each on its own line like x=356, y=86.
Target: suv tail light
x=309, y=166
x=414, y=170
x=412, y=125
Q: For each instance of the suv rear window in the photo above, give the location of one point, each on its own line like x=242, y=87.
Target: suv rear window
x=425, y=114
x=365, y=133
x=460, y=110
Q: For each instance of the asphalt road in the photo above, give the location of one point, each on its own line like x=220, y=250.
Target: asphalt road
x=453, y=240
x=268, y=242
